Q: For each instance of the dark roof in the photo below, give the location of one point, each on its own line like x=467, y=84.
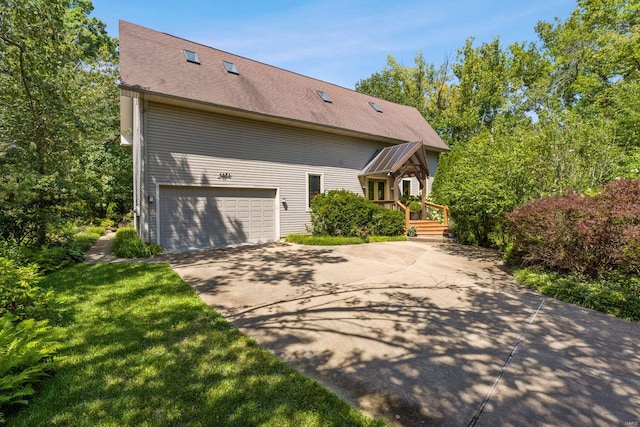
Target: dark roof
x=391, y=159
x=154, y=62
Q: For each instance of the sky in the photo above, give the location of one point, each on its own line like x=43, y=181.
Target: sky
x=337, y=41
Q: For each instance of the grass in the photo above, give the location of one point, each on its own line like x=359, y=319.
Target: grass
x=127, y=244
x=87, y=238
x=339, y=240
x=615, y=294
x=140, y=348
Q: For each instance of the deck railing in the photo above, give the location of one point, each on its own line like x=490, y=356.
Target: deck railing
x=430, y=211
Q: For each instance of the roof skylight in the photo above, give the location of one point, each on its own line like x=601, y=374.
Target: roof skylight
x=324, y=96
x=231, y=67
x=376, y=107
x=191, y=56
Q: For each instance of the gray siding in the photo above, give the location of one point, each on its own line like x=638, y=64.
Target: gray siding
x=189, y=147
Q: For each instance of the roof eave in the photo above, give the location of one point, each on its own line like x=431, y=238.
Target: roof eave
x=162, y=98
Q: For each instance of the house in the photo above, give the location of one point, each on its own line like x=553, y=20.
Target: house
x=228, y=150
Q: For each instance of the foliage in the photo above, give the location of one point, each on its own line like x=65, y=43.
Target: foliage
x=586, y=235
x=613, y=293
x=531, y=119
x=56, y=256
x=86, y=237
x=95, y=229
x=343, y=213
x=412, y=231
x=59, y=151
x=20, y=295
x=143, y=349
x=26, y=349
x=85, y=240
x=127, y=244
x=415, y=206
x=340, y=213
x=387, y=222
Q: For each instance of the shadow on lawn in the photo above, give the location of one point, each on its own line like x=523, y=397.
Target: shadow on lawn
x=427, y=353
x=143, y=350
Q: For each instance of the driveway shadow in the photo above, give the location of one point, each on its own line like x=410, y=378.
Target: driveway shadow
x=458, y=343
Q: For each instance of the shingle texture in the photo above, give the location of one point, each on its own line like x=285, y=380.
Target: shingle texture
x=154, y=62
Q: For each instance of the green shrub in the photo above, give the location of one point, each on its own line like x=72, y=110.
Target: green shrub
x=387, y=222
x=85, y=240
x=26, y=351
x=106, y=223
x=340, y=213
x=412, y=231
x=99, y=230
x=415, y=206
x=20, y=294
x=55, y=257
x=343, y=213
x=127, y=244
x=615, y=294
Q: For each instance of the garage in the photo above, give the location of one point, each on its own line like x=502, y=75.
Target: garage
x=203, y=217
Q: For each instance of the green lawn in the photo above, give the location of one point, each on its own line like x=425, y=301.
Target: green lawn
x=140, y=348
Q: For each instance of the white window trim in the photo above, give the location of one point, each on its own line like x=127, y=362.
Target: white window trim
x=306, y=185
x=409, y=180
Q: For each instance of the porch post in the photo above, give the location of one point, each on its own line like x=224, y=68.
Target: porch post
x=396, y=185
x=423, y=184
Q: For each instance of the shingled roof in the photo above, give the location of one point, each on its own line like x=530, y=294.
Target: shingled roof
x=155, y=63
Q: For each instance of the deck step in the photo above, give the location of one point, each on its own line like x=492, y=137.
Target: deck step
x=429, y=228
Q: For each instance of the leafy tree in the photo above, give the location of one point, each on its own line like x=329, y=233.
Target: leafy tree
x=534, y=119
x=58, y=114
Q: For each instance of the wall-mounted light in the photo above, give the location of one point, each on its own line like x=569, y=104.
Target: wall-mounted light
x=284, y=201
x=151, y=198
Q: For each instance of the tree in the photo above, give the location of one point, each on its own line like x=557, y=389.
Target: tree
x=57, y=112
x=422, y=86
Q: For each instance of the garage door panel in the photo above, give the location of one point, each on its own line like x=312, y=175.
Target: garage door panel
x=197, y=217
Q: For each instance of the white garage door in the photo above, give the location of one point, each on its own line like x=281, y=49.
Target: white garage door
x=200, y=217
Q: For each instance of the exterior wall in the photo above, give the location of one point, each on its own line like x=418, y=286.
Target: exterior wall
x=189, y=147
x=432, y=163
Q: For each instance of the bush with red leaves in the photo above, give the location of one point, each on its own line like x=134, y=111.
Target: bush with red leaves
x=588, y=235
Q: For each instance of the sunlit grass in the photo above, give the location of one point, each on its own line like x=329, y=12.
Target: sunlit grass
x=614, y=294
x=140, y=348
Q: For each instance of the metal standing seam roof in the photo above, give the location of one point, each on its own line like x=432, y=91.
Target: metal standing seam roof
x=391, y=159
x=154, y=63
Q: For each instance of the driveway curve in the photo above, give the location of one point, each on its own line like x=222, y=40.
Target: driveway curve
x=422, y=333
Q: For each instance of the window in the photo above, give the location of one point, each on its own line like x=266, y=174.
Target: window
x=406, y=188
x=231, y=67
x=375, y=107
x=324, y=96
x=376, y=190
x=315, y=186
x=191, y=56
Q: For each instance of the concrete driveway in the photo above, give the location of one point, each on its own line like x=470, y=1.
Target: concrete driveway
x=426, y=333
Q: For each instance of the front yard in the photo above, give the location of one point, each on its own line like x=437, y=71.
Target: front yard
x=140, y=348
